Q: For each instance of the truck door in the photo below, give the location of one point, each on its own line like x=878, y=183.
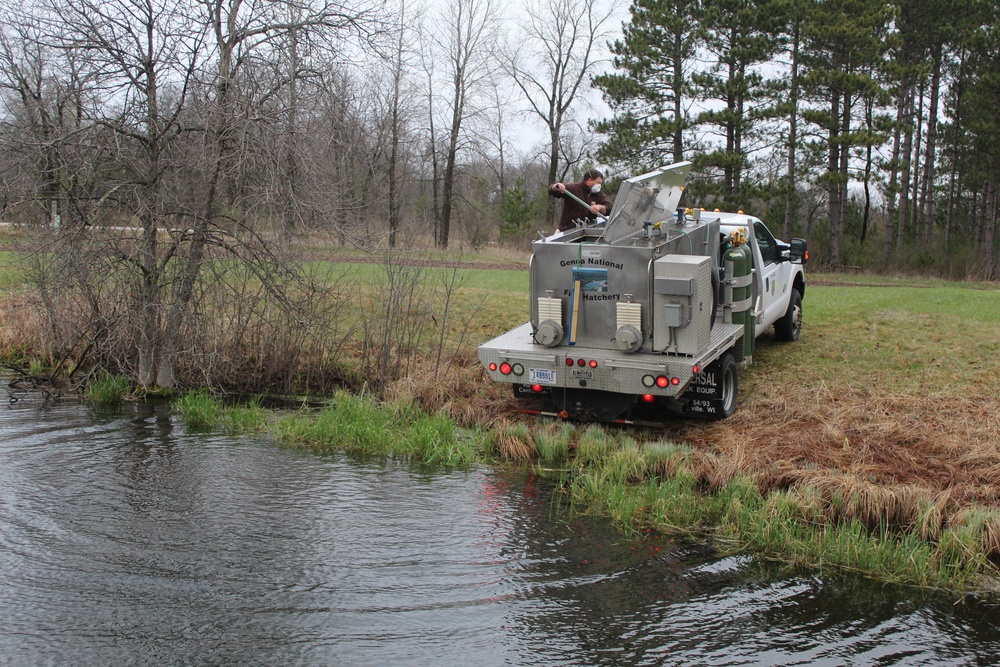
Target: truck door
x=774, y=281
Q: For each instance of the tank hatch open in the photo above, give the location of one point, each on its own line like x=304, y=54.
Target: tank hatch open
x=645, y=200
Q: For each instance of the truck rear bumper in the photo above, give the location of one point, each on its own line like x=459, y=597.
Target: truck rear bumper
x=528, y=363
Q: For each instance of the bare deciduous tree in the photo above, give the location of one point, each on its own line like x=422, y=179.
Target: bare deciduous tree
x=469, y=45
x=175, y=91
x=556, y=51
x=238, y=30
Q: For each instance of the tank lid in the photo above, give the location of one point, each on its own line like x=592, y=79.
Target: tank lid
x=652, y=198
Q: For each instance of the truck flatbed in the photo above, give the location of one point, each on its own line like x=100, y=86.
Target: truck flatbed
x=516, y=347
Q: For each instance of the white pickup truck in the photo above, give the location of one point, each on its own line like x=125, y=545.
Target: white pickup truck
x=653, y=310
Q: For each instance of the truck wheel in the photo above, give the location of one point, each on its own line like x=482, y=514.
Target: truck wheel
x=713, y=393
x=788, y=328
x=729, y=385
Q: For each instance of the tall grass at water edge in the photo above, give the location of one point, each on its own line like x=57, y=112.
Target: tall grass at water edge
x=108, y=390
x=361, y=424
x=350, y=423
x=201, y=410
x=657, y=486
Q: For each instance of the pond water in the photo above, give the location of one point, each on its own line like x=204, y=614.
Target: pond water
x=127, y=540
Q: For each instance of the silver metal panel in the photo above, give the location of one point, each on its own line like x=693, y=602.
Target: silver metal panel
x=605, y=275
x=673, y=315
x=693, y=335
x=677, y=286
x=610, y=274
x=615, y=371
x=651, y=198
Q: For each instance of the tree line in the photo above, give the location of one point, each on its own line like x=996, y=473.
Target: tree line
x=869, y=126
x=347, y=115
x=865, y=125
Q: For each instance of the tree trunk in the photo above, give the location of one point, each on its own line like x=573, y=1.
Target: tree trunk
x=927, y=189
x=954, y=182
x=220, y=121
x=915, y=211
x=448, y=185
x=395, y=132
x=793, y=98
x=904, y=166
x=149, y=336
x=551, y=211
x=892, y=191
x=292, y=159
x=870, y=130
x=833, y=202
x=678, y=86
x=845, y=157
x=989, y=239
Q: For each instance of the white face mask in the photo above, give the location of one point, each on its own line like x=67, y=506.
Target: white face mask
x=595, y=188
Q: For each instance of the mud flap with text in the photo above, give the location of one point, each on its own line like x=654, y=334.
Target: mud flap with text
x=712, y=393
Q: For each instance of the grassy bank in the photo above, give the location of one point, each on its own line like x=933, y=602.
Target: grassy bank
x=349, y=423
x=662, y=486
x=872, y=444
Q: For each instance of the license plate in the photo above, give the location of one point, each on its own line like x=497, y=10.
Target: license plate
x=541, y=376
x=583, y=375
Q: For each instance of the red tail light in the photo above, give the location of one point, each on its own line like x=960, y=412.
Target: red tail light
x=505, y=368
x=648, y=398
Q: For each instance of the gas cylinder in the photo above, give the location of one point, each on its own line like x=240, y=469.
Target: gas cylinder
x=739, y=275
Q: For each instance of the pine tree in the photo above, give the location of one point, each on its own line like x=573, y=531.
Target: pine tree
x=741, y=36
x=843, y=50
x=651, y=90
x=983, y=127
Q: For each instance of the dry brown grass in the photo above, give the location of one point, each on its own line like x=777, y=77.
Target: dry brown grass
x=20, y=322
x=898, y=460
x=461, y=392
x=514, y=442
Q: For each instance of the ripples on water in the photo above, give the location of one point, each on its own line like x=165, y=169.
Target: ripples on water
x=126, y=540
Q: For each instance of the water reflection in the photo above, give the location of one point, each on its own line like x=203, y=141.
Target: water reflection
x=125, y=539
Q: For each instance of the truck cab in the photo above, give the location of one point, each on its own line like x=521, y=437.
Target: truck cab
x=778, y=273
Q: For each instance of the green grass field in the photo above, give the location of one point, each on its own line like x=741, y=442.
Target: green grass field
x=928, y=341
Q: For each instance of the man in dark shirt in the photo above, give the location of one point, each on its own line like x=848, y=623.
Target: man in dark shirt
x=588, y=190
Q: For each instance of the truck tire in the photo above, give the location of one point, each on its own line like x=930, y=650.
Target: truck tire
x=730, y=387
x=788, y=328
x=714, y=396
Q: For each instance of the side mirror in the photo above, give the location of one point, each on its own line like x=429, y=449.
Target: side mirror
x=799, y=251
